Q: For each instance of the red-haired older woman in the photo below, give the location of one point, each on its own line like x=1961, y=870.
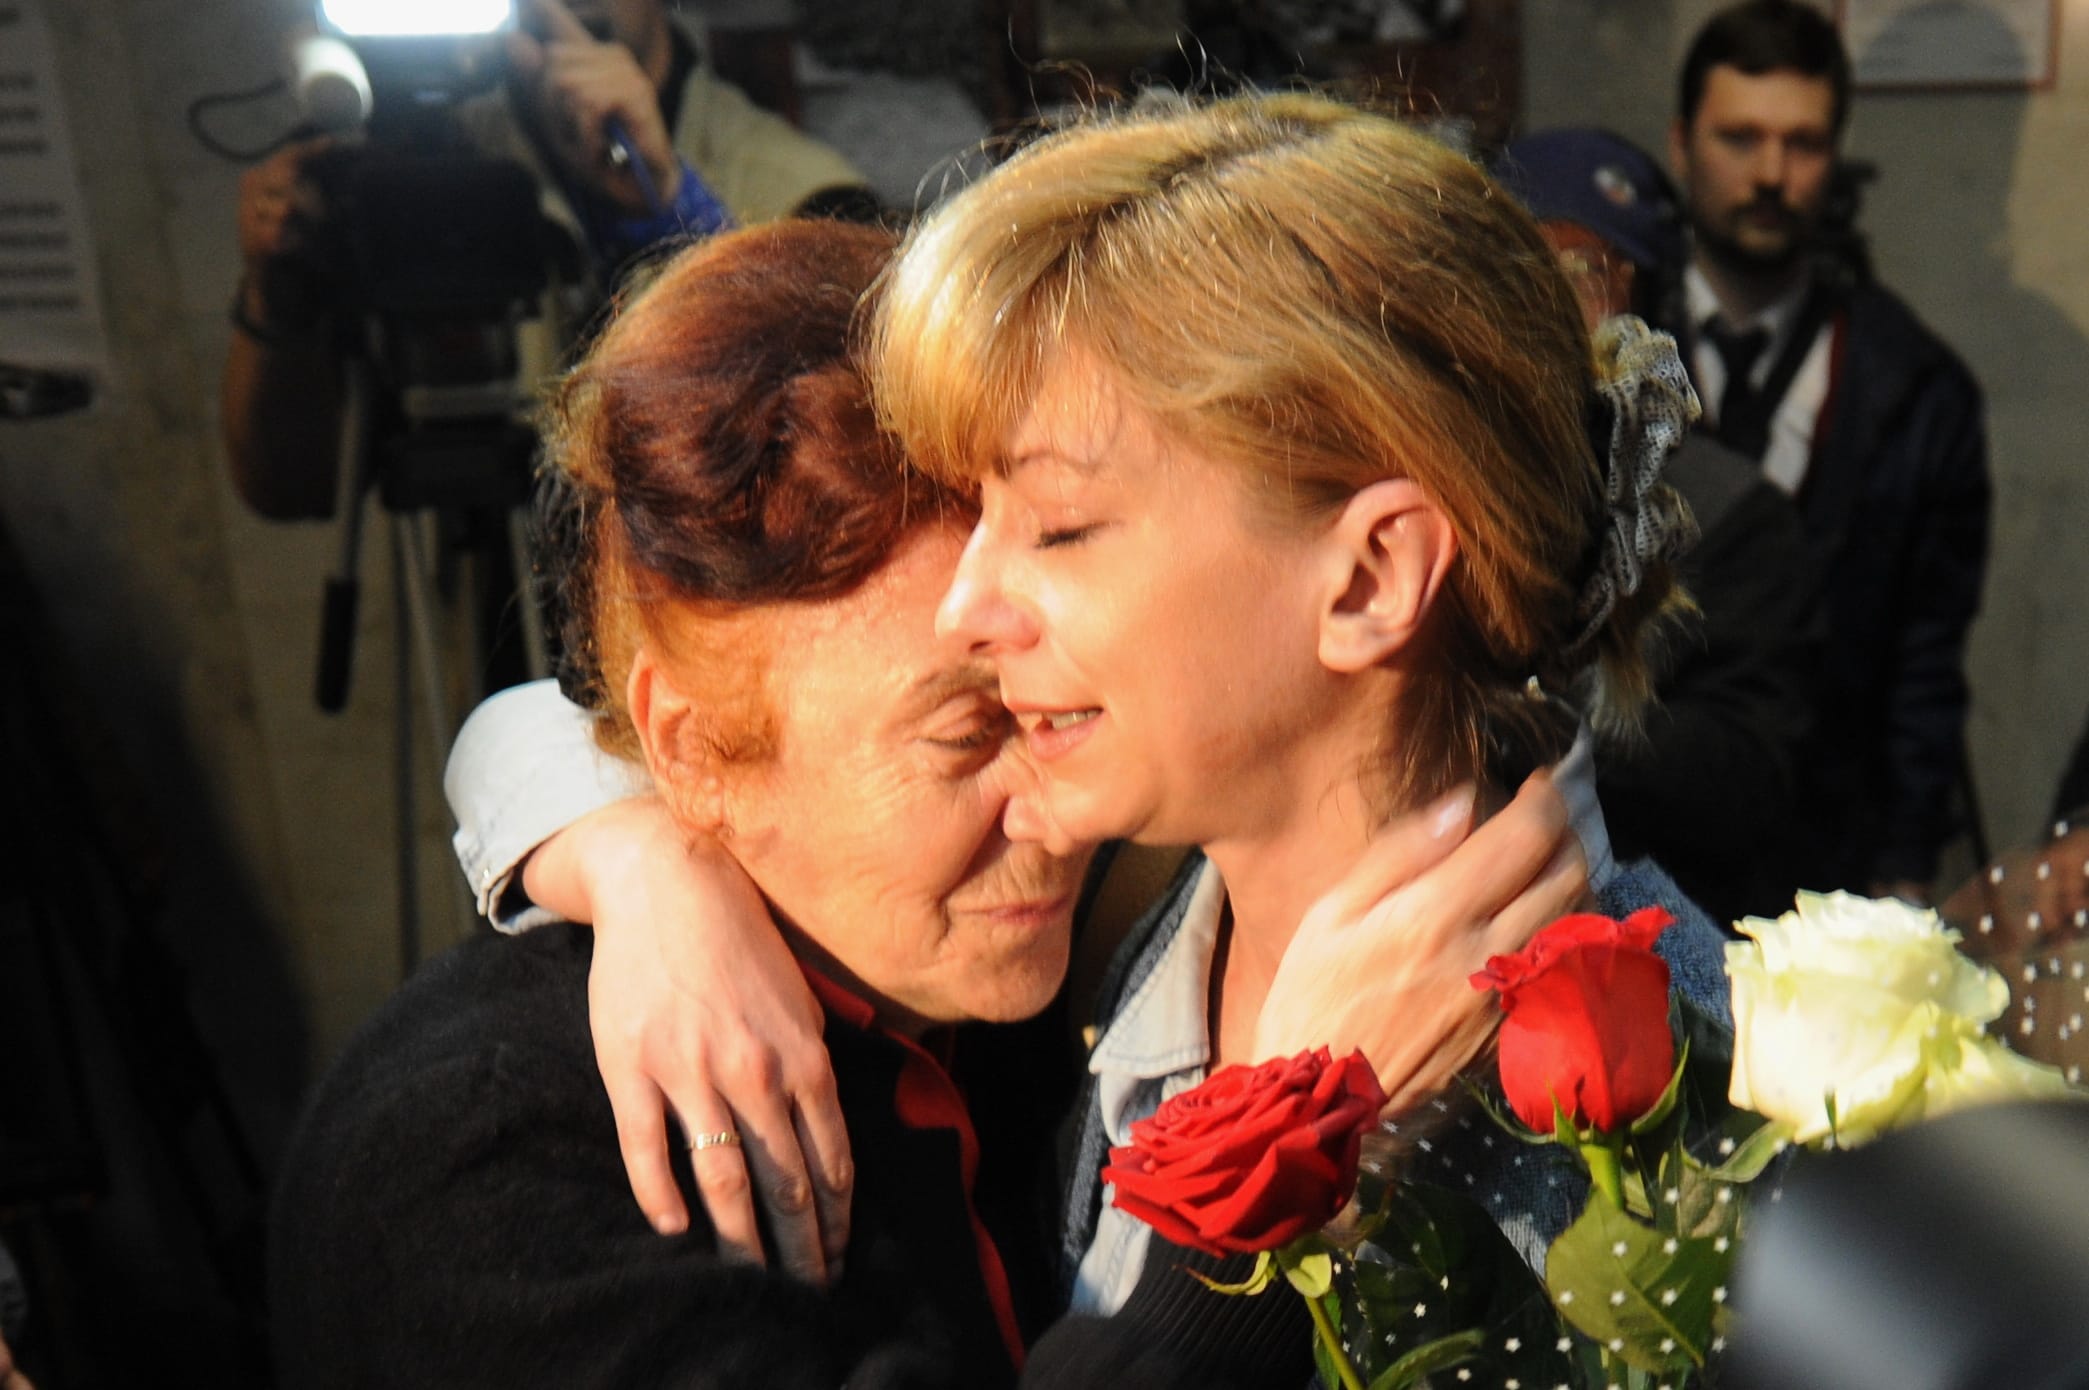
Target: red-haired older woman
x=753, y=588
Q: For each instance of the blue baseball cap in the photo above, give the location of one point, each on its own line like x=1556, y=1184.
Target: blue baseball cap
x=1600, y=181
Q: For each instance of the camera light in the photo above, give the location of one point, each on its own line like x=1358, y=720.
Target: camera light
x=416, y=18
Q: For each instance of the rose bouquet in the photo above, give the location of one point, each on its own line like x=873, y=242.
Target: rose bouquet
x=1642, y=1124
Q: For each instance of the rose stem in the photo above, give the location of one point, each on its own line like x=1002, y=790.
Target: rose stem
x=1604, y=1174
x=1350, y=1379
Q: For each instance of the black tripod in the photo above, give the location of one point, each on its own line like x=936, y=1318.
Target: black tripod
x=430, y=426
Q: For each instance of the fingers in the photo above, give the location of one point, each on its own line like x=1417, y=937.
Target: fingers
x=525, y=55
x=823, y=1137
x=278, y=201
x=791, y=1184
x=642, y=1136
x=1559, y=889
x=770, y=1165
x=783, y=1188
x=1487, y=871
x=1397, y=855
x=721, y=1171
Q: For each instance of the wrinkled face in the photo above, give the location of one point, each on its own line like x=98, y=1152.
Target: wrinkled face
x=875, y=828
x=1755, y=163
x=1155, y=631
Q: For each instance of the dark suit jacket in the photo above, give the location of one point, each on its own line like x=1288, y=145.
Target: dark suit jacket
x=1895, y=506
x=1708, y=790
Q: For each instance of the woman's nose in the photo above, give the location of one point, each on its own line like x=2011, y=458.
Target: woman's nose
x=977, y=610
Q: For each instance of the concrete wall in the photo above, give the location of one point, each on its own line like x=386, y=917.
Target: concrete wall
x=1976, y=221
x=173, y=606
x=194, y=625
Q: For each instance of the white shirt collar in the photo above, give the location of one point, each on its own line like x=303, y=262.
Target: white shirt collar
x=1775, y=318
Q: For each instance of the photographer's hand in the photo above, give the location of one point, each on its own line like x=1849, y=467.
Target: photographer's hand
x=571, y=86
x=281, y=211
x=279, y=401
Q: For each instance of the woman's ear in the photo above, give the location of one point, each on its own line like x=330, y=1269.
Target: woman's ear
x=664, y=715
x=1388, y=554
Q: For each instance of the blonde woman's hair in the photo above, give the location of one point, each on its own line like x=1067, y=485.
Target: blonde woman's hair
x=1325, y=297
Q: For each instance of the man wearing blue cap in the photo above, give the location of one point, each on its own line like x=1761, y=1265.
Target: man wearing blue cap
x=1709, y=792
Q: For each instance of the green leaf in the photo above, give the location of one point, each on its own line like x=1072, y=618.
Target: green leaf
x=1667, y=1103
x=1324, y=1363
x=1418, y=1365
x=1692, y=1201
x=1563, y=1131
x=1504, y=1118
x=1445, y=1269
x=1649, y=1298
x=1754, y=1153
x=1259, y=1278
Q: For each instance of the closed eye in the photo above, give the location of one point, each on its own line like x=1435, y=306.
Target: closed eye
x=987, y=733
x=1068, y=535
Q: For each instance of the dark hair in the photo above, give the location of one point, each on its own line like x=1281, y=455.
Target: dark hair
x=1764, y=36
x=716, y=446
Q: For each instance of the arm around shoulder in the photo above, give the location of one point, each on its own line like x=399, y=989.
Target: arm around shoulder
x=524, y=767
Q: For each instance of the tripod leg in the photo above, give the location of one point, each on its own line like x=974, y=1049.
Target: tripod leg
x=337, y=607
x=403, y=798
x=415, y=620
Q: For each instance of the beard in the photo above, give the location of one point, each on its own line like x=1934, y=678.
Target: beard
x=1765, y=234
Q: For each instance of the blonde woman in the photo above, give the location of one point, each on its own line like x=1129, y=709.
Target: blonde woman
x=1280, y=416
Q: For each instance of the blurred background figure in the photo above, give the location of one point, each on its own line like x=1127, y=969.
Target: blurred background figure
x=1710, y=789
x=1952, y=1255
x=1859, y=412
x=2027, y=914
x=631, y=138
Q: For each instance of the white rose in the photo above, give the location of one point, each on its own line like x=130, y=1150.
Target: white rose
x=1867, y=1006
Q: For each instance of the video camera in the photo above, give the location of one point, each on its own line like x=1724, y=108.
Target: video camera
x=442, y=244
x=440, y=250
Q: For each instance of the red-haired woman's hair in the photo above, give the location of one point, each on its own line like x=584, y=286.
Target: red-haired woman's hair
x=716, y=450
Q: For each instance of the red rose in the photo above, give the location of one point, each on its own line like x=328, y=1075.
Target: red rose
x=1585, y=1008
x=1253, y=1158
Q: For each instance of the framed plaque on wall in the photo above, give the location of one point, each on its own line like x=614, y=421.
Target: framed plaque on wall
x=1942, y=45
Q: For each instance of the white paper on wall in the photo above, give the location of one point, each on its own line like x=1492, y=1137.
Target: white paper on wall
x=50, y=301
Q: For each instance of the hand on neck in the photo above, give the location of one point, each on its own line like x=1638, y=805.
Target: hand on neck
x=1275, y=878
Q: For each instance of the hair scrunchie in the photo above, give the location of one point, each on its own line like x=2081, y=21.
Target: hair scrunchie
x=1642, y=407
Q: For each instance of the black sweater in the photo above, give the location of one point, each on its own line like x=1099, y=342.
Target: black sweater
x=454, y=1212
